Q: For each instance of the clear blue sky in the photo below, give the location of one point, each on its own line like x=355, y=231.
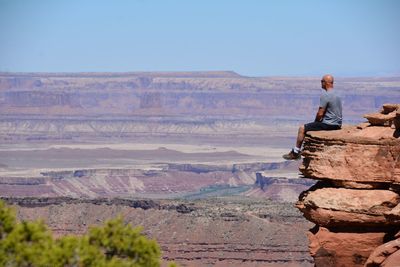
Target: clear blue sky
x=254, y=38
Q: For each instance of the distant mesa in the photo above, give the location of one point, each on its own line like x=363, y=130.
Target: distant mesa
x=187, y=74
x=40, y=107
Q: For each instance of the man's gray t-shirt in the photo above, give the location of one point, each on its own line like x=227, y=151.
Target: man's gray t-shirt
x=333, y=108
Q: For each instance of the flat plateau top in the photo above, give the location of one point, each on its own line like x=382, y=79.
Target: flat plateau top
x=367, y=135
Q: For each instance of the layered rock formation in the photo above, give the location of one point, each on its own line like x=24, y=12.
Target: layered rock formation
x=86, y=106
x=157, y=180
x=178, y=93
x=277, y=188
x=355, y=204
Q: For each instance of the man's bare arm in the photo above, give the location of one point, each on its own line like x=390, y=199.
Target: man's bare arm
x=320, y=114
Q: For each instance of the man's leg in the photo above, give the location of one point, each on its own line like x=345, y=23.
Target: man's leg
x=300, y=137
x=295, y=152
x=312, y=126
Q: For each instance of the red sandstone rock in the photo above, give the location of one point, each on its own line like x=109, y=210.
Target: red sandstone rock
x=360, y=215
x=380, y=119
x=348, y=207
x=393, y=215
x=342, y=249
x=363, y=125
x=382, y=253
x=388, y=108
x=393, y=260
x=368, y=155
x=385, y=117
x=357, y=201
x=396, y=120
x=356, y=185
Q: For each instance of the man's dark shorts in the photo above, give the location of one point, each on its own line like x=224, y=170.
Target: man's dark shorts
x=319, y=126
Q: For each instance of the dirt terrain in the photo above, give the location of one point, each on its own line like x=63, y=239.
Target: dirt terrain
x=229, y=231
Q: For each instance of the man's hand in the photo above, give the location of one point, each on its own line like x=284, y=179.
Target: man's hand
x=320, y=114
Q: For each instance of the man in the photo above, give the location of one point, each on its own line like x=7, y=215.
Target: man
x=329, y=116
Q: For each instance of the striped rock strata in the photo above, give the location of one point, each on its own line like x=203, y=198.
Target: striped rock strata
x=369, y=155
x=356, y=201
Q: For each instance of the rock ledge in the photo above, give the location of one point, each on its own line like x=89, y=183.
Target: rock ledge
x=356, y=201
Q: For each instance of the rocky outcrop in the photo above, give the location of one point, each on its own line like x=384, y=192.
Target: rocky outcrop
x=385, y=117
x=353, y=208
x=332, y=248
x=387, y=254
x=356, y=203
x=368, y=155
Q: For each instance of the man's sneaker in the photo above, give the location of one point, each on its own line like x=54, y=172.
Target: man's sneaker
x=292, y=155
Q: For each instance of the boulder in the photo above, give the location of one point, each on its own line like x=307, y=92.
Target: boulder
x=369, y=155
x=341, y=207
x=379, y=119
x=389, y=108
x=385, y=117
x=382, y=253
x=342, y=248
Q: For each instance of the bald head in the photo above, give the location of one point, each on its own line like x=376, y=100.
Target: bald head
x=327, y=81
x=328, y=78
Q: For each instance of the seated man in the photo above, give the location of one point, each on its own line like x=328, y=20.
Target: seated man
x=329, y=116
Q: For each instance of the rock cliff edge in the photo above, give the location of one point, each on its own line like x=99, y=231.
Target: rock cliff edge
x=356, y=202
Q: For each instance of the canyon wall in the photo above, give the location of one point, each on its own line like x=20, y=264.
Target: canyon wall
x=168, y=180
x=63, y=106
x=171, y=94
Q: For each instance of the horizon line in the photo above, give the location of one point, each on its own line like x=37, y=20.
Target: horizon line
x=187, y=73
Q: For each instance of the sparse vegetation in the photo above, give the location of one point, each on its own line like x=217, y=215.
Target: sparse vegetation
x=114, y=244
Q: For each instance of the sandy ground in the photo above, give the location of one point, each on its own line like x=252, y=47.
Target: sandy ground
x=31, y=159
x=249, y=150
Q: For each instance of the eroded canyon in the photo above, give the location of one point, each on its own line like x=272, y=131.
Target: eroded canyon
x=193, y=157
